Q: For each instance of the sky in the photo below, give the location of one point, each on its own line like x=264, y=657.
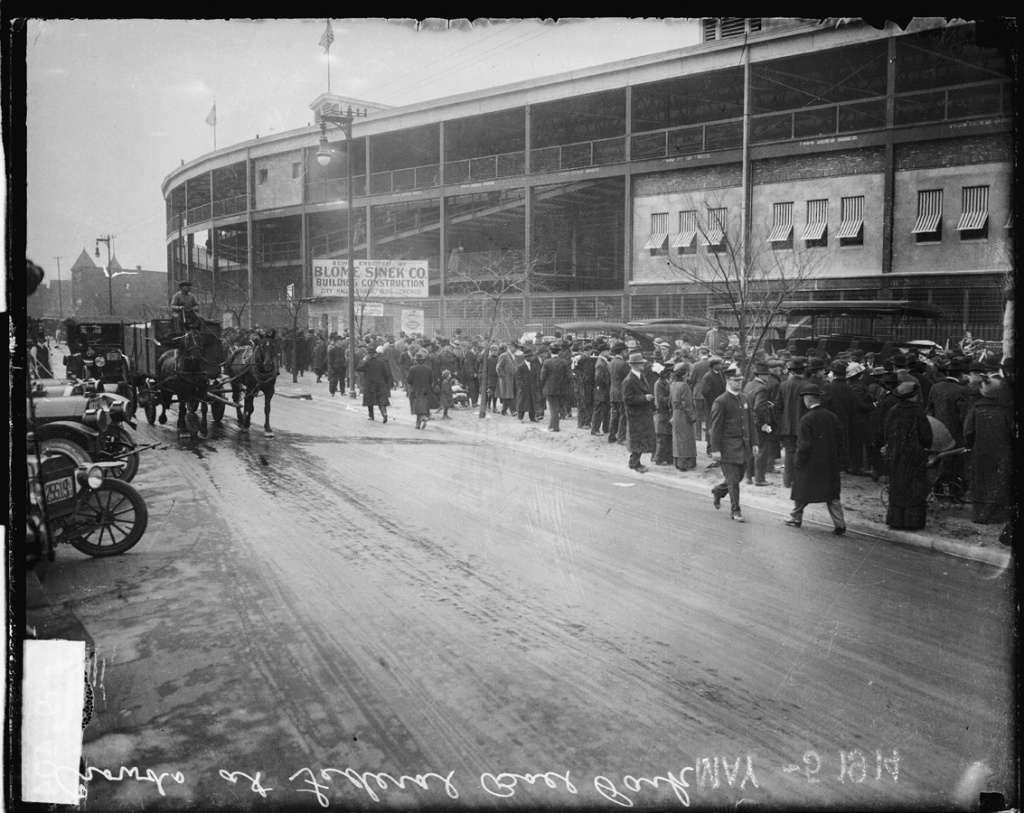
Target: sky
x=114, y=106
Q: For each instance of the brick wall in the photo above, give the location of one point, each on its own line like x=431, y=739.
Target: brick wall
x=687, y=180
x=952, y=152
x=822, y=165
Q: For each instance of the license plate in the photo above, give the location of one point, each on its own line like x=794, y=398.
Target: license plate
x=62, y=489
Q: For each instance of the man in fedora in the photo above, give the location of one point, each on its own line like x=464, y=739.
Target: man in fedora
x=638, y=402
x=184, y=306
x=819, y=449
x=949, y=402
x=732, y=439
x=556, y=383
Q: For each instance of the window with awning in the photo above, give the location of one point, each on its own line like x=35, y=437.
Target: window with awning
x=715, y=233
x=687, y=230
x=659, y=232
x=929, y=212
x=782, y=223
x=851, y=218
x=817, y=220
x=974, y=212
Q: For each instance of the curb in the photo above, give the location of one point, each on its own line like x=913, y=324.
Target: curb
x=995, y=556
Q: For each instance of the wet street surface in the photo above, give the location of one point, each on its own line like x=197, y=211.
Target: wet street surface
x=355, y=615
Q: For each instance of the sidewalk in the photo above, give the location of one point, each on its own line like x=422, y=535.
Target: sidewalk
x=949, y=529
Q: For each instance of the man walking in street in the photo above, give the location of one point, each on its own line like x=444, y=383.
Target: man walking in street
x=731, y=439
x=819, y=450
x=618, y=369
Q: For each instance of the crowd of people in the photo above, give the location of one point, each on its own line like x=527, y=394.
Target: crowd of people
x=808, y=419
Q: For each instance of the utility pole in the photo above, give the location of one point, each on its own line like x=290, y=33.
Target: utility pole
x=60, y=294
x=110, y=274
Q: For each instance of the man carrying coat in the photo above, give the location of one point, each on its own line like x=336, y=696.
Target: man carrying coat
x=731, y=438
x=819, y=450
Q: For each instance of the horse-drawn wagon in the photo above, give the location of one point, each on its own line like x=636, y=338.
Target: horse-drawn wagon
x=196, y=369
x=173, y=366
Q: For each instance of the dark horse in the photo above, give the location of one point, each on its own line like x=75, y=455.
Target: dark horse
x=183, y=373
x=254, y=370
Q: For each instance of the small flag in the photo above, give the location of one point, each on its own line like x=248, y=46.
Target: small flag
x=327, y=38
x=212, y=118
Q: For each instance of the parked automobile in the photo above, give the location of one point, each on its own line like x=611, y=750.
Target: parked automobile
x=88, y=426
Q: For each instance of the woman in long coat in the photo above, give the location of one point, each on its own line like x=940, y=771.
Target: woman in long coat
x=988, y=433
x=684, y=417
x=377, y=382
x=319, y=358
x=908, y=437
x=419, y=383
x=663, y=418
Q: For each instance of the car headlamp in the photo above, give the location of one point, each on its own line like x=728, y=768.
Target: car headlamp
x=92, y=476
x=98, y=418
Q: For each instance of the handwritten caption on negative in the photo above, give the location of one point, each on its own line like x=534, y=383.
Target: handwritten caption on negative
x=706, y=774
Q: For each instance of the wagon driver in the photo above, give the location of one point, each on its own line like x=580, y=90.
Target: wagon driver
x=183, y=306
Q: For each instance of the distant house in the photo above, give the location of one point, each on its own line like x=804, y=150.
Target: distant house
x=133, y=294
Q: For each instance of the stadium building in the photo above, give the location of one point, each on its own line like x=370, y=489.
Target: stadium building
x=883, y=157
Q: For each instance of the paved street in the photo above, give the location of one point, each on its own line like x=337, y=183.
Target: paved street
x=349, y=596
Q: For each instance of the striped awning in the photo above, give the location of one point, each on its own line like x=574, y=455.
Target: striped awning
x=975, y=208
x=817, y=219
x=929, y=211
x=657, y=240
x=852, y=218
x=687, y=230
x=684, y=239
x=783, y=223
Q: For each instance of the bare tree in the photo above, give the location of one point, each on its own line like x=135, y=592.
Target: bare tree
x=495, y=281
x=750, y=281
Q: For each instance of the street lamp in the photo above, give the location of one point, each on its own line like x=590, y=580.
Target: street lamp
x=323, y=157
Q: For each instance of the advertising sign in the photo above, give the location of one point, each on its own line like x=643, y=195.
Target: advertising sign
x=412, y=321
x=374, y=279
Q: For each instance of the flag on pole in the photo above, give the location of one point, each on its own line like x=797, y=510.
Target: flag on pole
x=211, y=119
x=327, y=38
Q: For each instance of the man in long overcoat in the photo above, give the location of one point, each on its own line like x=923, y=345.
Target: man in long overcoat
x=618, y=369
x=377, y=383
x=792, y=410
x=712, y=384
x=583, y=367
x=696, y=376
x=638, y=403
x=602, y=384
x=841, y=402
x=556, y=383
x=420, y=386
x=731, y=439
x=506, y=371
x=527, y=386
x=989, y=433
x=819, y=448
x=764, y=420
x=337, y=365
x=908, y=438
